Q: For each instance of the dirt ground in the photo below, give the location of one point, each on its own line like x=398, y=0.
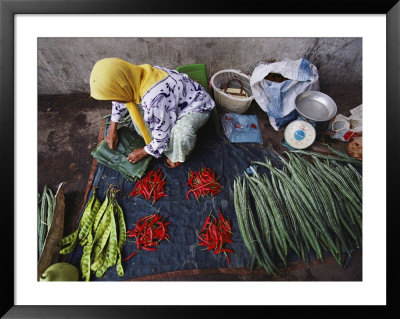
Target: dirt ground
x=68, y=131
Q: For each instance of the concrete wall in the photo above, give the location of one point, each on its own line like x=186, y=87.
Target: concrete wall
x=64, y=64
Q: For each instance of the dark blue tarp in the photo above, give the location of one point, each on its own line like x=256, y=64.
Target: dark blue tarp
x=186, y=216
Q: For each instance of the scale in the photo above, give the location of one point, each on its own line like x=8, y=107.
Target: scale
x=299, y=134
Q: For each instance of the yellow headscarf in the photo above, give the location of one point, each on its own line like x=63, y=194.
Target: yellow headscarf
x=118, y=80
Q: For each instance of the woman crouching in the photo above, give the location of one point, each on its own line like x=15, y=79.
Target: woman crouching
x=167, y=107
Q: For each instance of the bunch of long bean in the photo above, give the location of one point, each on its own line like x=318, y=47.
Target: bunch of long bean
x=46, y=204
x=306, y=206
x=102, y=234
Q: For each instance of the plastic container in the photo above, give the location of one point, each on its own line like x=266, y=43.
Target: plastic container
x=197, y=72
x=231, y=103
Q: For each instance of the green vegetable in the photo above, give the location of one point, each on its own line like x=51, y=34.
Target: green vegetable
x=101, y=239
x=306, y=205
x=46, y=205
x=60, y=272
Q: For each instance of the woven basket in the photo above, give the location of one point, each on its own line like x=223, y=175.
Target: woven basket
x=235, y=79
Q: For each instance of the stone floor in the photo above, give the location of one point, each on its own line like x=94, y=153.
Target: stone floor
x=68, y=131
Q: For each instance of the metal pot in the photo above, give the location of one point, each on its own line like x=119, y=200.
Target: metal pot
x=315, y=106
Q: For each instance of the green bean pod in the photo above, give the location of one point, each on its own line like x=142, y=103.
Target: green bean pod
x=50, y=210
x=102, y=269
x=277, y=213
x=88, y=216
x=101, y=212
x=261, y=208
x=43, y=225
x=285, y=215
x=238, y=210
x=68, y=249
x=101, y=242
x=338, y=181
x=265, y=259
x=73, y=237
x=305, y=226
x=98, y=262
x=85, y=262
x=112, y=252
x=89, y=239
x=243, y=225
x=275, y=233
x=273, y=218
x=68, y=239
x=352, y=160
x=38, y=221
x=120, y=269
x=122, y=226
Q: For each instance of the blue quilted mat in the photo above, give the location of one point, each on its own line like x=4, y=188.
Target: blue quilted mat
x=227, y=160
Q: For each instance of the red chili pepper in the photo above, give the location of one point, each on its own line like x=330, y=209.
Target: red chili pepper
x=151, y=185
x=252, y=125
x=215, y=234
x=149, y=248
x=206, y=223
x=227, y=250
x=149, y=231
x=131, y=255
x=203, y=183
x=227, y=258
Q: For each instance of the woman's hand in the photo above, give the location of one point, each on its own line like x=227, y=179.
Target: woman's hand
x=137, y=155
x=112, y=136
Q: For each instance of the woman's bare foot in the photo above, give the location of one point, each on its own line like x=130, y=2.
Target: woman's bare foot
x=168, y=163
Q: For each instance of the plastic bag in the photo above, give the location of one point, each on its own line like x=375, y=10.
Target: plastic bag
x=346, y=128
x=277, y=97
x=241, y=128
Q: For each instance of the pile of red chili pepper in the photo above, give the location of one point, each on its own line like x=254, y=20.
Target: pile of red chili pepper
x=148, y=231
x=215, y=233
x=150, y=185
x=203, y=183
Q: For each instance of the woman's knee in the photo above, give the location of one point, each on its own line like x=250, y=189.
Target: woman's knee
x=184, y=130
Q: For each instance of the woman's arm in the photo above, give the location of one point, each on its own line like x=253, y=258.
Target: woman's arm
x=160, y=123
x=117, y=111
x=112, y=135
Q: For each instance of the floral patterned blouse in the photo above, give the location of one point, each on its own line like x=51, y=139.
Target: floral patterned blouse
x=165, y=103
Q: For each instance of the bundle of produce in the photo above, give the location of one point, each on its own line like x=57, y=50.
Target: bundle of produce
x=102, y=234
x=306, y=206
x=128, y=140
x=203, y=183
x=150, y=185
x=149, y=231
x=46, y=204
x=215, y=234
x=337, y=156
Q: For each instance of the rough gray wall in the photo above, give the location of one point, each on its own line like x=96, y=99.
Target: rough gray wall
x=64, y=64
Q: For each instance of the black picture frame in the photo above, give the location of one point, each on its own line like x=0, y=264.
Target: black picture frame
x=8, y=10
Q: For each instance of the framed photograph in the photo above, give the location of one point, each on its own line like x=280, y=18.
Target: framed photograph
x=48, y=53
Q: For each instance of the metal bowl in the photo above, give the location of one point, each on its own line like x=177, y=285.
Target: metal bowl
x=315, y=106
